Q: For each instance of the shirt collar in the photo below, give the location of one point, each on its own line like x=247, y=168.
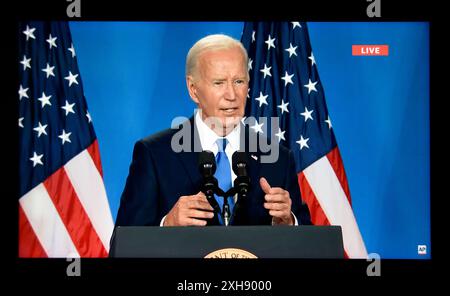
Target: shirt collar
x=208, y=137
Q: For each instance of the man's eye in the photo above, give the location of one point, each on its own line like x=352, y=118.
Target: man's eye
x=218, y=82
x=239, y=81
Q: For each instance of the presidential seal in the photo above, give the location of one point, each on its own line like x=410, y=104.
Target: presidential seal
x=230, y=253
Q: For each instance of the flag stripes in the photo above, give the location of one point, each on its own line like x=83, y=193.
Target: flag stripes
x=29, y=243
x=88, y=183
x=62, y=207
x=318, y=217
x=335, y=204
x=94, y=152
x=334, y=157
x=73, y=215
x=46, y=223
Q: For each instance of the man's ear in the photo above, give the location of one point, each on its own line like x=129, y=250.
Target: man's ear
x=191, y=88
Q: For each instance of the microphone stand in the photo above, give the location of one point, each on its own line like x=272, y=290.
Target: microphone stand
x=241, y=187
x=226, y=211
x=226, y=216
x=209, y=188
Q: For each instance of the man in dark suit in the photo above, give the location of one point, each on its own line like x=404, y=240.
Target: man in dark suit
x=163, y=186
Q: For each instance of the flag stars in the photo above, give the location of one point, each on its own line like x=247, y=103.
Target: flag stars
x=29, y=32
x=307, y=114
x=303, y=142
x=65, y=137
x=287, y=78
x=23, y=92
x=253, y=36
x=45, y=100
x=283, y=106
x=68, y=108
x=250, y=62
x=311, y=86
x=248, y=93
x=71, y=78
x=328, y=121
x=49, y=70
x=89, y=117
x=295, y=24
x=72, y=50
x=313, y=60
x=21, y=122
x=36, y=159
x=262, y=99
x=257, y=127
x=291, y=50
x=26, y=62
x=51, y=41
x=40, y=129
x=280, y=135
x=266, y=71
x=270, y=43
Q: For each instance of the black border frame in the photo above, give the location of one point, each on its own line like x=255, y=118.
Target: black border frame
x=171, y=271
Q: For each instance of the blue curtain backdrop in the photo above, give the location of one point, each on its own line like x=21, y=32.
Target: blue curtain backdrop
x=133, y=76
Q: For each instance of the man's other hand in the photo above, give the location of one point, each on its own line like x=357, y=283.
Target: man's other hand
x=278, y=202
x=190, y=210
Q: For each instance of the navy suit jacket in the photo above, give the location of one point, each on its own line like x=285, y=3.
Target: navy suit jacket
x=158, y=176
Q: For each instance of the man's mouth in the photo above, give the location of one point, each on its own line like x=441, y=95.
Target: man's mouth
x=229, y=110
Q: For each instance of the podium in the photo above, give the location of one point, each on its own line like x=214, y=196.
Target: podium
x=227, y=242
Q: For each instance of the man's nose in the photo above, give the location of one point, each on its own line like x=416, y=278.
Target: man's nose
x=230, y=92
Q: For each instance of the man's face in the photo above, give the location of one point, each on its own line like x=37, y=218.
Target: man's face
x=220, y=88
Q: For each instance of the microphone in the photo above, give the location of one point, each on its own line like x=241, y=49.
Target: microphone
x=207, y=167
x=207, y=163
x=240, y=164
x=242, y=181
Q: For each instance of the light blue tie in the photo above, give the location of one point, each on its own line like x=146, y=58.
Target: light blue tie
x=223, y=175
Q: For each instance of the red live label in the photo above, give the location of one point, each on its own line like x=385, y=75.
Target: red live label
x=370, y=50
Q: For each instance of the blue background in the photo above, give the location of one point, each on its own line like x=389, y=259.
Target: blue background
x=133, y=77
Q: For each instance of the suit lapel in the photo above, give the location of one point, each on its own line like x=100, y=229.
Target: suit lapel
x=253, y=158
x=246, y=208
x=189, y=159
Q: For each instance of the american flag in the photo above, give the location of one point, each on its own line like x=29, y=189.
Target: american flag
x=284, y=83
x=63, y=208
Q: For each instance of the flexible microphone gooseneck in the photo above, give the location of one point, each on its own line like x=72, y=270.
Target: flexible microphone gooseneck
x=207, y=167
x=242, y=181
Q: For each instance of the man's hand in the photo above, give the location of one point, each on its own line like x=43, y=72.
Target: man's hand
x=278, y=202
x=190, y=210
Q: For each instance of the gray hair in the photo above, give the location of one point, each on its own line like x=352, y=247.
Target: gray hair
x=211, y=43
